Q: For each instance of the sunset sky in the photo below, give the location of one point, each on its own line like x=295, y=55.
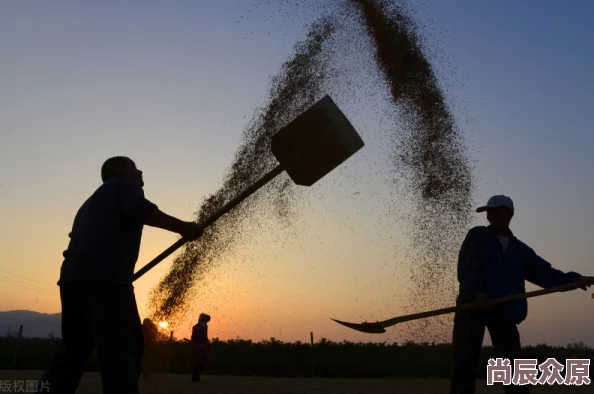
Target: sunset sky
x=173, y=84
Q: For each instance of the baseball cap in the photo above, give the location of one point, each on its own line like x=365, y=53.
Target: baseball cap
x=496, y=202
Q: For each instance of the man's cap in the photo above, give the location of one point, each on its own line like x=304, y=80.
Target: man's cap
x=496, y=202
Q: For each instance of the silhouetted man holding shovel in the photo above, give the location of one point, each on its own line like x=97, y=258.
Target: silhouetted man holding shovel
x=98, y=304
x=493, y=263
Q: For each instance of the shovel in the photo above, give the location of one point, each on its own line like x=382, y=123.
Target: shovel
x=308, y=148
x=380, y=326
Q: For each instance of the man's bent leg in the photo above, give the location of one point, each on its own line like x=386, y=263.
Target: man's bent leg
x=137, y=335
x=469, y=330
x=506, y=344
x=196, y=371
x=66, y=368
x=111, y=318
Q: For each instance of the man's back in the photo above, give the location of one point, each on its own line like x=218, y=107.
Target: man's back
x=200, y=334
x=106, y=234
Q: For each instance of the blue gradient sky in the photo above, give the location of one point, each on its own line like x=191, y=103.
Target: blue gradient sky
x=172, y=84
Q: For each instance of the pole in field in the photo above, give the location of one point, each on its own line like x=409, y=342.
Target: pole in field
x=16, y=349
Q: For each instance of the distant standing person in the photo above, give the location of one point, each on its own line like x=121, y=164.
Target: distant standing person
x=98, y=304
x=493, y=263
x=201, y=346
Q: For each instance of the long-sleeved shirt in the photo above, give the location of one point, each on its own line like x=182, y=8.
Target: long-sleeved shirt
x=200, y=334
x=483, y=267
x=106, y=234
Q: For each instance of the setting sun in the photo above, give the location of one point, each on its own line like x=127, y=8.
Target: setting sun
x=163, y=324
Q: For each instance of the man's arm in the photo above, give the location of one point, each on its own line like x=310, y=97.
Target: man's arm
x=135, y=206
x=469, y=273
x=188, y=230
x=541, y=273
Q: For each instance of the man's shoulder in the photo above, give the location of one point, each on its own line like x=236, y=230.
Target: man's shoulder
x=121, y=185
x=121, y=182
x=109, y=192
x=521, y=244
x=105, y=190
x=478, y=231
x=106, y=187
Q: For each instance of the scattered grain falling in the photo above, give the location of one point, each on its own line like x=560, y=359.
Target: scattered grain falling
x=379, y=42
x=296, y=88
x=431, y=157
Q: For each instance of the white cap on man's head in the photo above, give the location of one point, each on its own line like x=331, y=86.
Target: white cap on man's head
x=496, y=202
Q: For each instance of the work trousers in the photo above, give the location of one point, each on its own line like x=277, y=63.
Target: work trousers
x=469, y=330
x=102, y=316
x=197, y=368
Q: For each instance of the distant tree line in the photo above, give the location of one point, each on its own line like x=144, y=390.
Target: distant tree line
x=293, y=359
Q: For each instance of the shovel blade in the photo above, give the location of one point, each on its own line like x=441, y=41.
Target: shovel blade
x=315, y=143
x=369, y=328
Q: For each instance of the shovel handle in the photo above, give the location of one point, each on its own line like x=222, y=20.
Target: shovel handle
x=479, y=305
x=213, y=218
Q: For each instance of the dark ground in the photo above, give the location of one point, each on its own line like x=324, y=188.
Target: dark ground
x=177, y=383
